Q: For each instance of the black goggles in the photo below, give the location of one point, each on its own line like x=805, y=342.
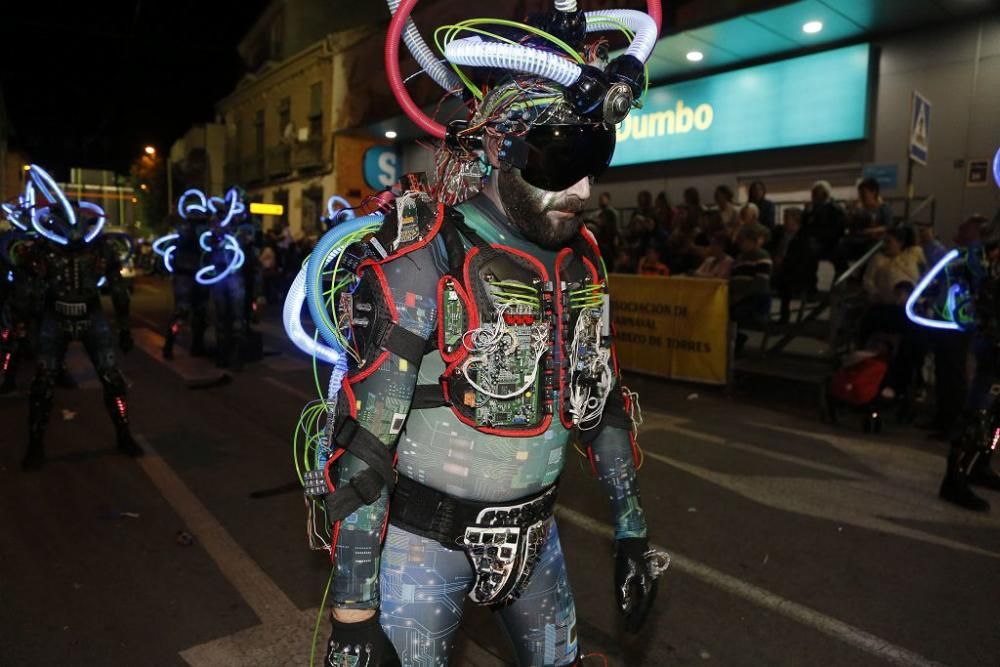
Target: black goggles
x=555, y=157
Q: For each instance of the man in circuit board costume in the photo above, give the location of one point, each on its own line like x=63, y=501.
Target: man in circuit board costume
x=68, y=262
x=480, y=340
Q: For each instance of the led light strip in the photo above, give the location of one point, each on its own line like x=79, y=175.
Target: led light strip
x=919, y=290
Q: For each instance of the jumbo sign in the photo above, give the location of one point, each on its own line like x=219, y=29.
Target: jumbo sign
x=815, y=99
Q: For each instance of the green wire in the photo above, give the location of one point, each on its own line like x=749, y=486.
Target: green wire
x=319, y=619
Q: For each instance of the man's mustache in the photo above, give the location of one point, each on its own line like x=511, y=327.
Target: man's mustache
x=567, y=205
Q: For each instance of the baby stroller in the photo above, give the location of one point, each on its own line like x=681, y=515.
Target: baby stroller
x=858, y=386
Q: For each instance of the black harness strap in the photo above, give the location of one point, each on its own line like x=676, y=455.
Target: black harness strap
x=365, y=487
x=402, y=342
x=426, y=396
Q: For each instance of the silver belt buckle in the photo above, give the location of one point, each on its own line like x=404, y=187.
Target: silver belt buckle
x=71, y=309
x=504, y=556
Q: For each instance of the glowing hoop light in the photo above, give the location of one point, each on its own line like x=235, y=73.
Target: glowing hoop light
x=344, y=214
x=229, y=243
x=186, y=207
x=101, y=219
x=36, y=223
x=919, y=290
x=43, y=182
x=996, y=168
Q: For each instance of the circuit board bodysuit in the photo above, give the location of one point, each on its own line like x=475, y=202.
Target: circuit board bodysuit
x=497, y=452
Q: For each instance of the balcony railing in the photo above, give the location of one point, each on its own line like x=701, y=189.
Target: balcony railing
x=279, y=160
x=253, y=169
x=308, y=154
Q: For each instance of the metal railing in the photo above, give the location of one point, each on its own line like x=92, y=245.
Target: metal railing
x=836, y=290
x=279, y=160
x=307, y=154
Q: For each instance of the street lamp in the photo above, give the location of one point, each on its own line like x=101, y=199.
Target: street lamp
x=150, y=151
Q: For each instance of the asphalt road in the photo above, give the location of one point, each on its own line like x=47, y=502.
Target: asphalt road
x=793, y=543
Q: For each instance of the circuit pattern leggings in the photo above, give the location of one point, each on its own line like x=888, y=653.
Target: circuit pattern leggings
x=424, y=586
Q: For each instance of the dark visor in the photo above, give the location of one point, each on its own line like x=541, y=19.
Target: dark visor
x=560, y=155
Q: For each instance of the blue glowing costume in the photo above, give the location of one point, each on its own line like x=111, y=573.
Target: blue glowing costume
x=60, y=272
x=962, y=293
x=205, y=255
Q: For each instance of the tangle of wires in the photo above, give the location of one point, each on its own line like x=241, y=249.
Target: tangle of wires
x=497, y=103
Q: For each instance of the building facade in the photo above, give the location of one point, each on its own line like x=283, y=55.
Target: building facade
x=283, y=125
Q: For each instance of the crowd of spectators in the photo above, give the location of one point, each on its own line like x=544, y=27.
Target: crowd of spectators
x=765, y=260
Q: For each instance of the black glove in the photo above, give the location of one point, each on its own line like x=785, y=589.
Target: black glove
x=125, y=342
x=362, y=644
x=635, y=581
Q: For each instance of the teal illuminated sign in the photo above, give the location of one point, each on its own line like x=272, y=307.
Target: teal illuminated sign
x=814, y=99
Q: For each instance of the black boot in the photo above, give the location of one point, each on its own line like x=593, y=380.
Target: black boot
x=955, y=486
x=39, y=407
x=168, y=344
x=117, y=404
x=982, y=473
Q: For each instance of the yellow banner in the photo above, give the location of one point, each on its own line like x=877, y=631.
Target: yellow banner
x=258, y=208
x=673, y=327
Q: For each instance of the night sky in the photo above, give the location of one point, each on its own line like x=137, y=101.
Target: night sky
x=91, y=83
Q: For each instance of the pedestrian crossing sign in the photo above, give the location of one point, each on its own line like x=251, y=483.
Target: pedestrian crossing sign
x=920, y=127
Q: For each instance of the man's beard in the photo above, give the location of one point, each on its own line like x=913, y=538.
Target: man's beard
x=528, y=207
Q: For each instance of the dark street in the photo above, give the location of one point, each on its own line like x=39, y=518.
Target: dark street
x=792, y=543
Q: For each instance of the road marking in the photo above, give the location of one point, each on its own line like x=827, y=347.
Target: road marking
x=672, y=424
x=794, y=611
x=262, y=595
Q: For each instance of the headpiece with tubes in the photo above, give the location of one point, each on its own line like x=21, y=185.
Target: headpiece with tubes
x=545, y=61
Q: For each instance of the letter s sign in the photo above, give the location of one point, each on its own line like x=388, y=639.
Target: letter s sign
x=381, y=167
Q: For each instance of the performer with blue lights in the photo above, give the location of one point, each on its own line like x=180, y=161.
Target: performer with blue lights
x=190, y=297
x=469, y=330
x=213, y=264
x=962, y=293
x=69, y=261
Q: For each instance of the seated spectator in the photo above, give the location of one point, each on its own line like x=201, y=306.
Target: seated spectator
x=728, y=212
x=650, y=264
x=692, y=199
x=606, y=226
x=683, y=254
x=868, y=222
x=889, y=279
x=750, y=218
x=933, y=249
x=758, y=197
x=623, y=262
x=795, y=262
x=749, y=285
x=718, y=264
x=900, y=260
x=664, y=215
x=823, y=221
x=639, y=231
x=873, y=216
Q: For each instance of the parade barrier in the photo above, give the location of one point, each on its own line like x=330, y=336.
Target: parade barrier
x=675, y=328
